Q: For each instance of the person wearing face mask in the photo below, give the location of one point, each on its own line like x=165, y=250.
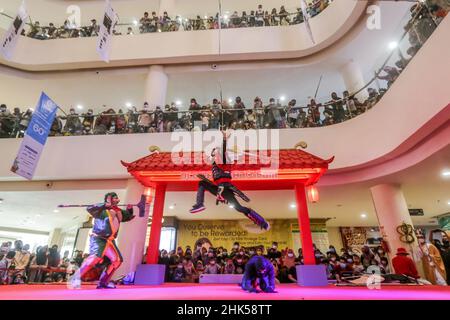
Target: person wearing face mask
x=274, y=253
x=179, y=273
x=5, y=264
x=212, y=267
x=229, y=267
x=88, y=122
x=379, y=254
x=358, y=268
x=332, y=266
x=289, y=259
x=239, y=265
x=384, y=266
x=73, y=124
x=165, y=260
x=432, y=263
x=21, y=260
x=343, y=269
x=234, y=250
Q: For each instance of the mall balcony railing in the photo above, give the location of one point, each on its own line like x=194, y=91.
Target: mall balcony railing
x=187, y=22
x=417, y=28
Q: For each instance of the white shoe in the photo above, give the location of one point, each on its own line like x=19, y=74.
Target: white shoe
x=74, y=282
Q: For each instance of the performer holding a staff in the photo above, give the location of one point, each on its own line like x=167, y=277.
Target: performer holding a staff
x=108, y=217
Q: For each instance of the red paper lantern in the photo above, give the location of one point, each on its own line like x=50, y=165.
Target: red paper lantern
x=313, y=194
x=149, y=195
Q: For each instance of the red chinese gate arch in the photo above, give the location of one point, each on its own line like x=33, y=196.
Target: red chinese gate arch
x=166, y=171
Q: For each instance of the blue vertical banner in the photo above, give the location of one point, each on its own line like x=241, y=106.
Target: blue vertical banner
x=35, y=137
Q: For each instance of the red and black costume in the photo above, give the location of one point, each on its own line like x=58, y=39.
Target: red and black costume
x=222, y=186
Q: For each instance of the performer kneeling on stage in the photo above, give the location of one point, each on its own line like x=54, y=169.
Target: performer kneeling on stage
x=259, y=271
x=108, y=217
x=225, y=191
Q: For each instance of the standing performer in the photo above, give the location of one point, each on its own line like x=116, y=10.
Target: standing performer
x=224, y=190
x=108, y=217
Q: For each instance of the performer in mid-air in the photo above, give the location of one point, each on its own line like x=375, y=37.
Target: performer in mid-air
x=259, y=272
x=108, y=217
x=224, y=190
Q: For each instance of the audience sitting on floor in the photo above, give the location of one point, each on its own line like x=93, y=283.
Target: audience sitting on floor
x=185, y=266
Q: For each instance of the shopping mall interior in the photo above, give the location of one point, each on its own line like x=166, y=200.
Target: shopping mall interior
x=348, y=101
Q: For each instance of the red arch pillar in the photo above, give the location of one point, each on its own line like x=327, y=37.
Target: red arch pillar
x=155, y=231
x=304, y=225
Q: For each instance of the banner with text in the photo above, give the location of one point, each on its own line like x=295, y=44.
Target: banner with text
x=105, y=35
x=35, y=138
x=9, y=40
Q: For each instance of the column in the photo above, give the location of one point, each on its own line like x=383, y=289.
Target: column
x=303, y=223
x=392, y=211
x=155, y=231
x=156, y=87
x=131, y=239
x=354, y=79
x=169, y=6
x=55, y=238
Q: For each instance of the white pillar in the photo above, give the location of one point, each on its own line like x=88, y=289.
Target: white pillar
x=55, y=238
x=392, y=211
x=169, y=6
x=131, y=239
x=354, y=79
x=156, y=87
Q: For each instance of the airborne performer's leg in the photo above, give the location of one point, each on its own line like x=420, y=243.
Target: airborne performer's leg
x=249, y=213
x=202, y=187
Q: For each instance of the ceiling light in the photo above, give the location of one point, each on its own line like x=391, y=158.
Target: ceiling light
x=230, y=100
x=80, y=107
x=135, y=22
x=293, y=205
x=56, y=211
x=231, y=206
x=363, y=215
x=1, y=200
x=446, y=173
x=128, y=105
x=448, y=202
x=282, y=98
x=392, y=45
x=178, y=102
x=171, y=207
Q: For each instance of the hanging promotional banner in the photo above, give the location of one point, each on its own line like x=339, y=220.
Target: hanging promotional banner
x=35, y=137
x=306, y=19
x=9, y=40
x=106, y=32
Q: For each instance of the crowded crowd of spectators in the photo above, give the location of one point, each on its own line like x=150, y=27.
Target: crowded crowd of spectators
x=19, y=265
x=153, y=23
x=187, y=265
x=216, y=115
